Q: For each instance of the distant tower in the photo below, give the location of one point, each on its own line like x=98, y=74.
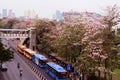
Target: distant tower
x=4, y=13
x=10, y=13
x=13, y=14
x=33, y=14
x=28, y=14
x=58, y=15
x=25, y=14
x=36, y=16
x=0, y=15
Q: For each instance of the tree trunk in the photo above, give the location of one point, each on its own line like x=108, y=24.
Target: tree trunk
x=83, y=77
x=99, y=74
x=106, y=64
x=111, y=76
x=105, y=75
x=1, y=64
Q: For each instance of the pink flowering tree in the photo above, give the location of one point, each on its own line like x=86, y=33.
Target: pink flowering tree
x=9, y=22
x=92, y=57
x=111, y=41
x=99, y=52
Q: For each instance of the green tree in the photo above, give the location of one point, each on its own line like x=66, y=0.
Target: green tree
x=111, y=19
x=0, y=23
x=5, y=54
x=68, y=43
x=101, y=56
x=43, y=30
x=91, y=55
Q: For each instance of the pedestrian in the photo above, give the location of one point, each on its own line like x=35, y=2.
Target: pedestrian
x=18, y=65
x=21, y=73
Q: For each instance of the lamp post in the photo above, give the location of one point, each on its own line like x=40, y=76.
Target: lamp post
x=81, y=76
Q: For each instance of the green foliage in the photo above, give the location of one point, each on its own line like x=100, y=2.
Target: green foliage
x=117, y=71
x=116, y=75
x=69, y=42
x=118, y=32
x=5, y=54
x=104, y=54
x=43, y=30
x=1, y=23
x=111, y=41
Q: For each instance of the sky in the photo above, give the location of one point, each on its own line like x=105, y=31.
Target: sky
x=47, y=8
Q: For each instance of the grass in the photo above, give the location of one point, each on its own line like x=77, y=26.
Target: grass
x=116, y=76
x=117, y=71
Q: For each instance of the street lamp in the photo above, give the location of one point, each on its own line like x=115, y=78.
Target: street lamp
x=81, y=76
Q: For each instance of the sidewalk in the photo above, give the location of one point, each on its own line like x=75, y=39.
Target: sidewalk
x=1, y=76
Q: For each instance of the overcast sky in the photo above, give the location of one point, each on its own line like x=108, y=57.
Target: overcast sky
x=46, y=8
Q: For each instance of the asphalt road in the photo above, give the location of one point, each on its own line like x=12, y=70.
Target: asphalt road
x=13, y=72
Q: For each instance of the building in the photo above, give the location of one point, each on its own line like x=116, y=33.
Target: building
x=73, y=18
x=30, y=14
x=0, y=15
x=58, y=15
x=11, y=14
x=4, y=13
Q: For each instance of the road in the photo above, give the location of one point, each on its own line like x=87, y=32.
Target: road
x=13, y=72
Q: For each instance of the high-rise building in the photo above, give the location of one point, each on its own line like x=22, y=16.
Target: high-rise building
x=0, y=15
x=4, y=13
x=11, y=14
x=58, y=15
x=30, y=14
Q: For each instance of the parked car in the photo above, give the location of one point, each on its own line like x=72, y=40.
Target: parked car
x=4, y=67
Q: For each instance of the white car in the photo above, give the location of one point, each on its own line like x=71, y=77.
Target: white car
x=4, y=67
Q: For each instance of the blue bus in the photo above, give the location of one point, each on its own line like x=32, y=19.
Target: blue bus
x=56, y=71
x=39, y=59
x=66, y=65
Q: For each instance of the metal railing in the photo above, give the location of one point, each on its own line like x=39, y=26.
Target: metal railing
x=4, y=35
